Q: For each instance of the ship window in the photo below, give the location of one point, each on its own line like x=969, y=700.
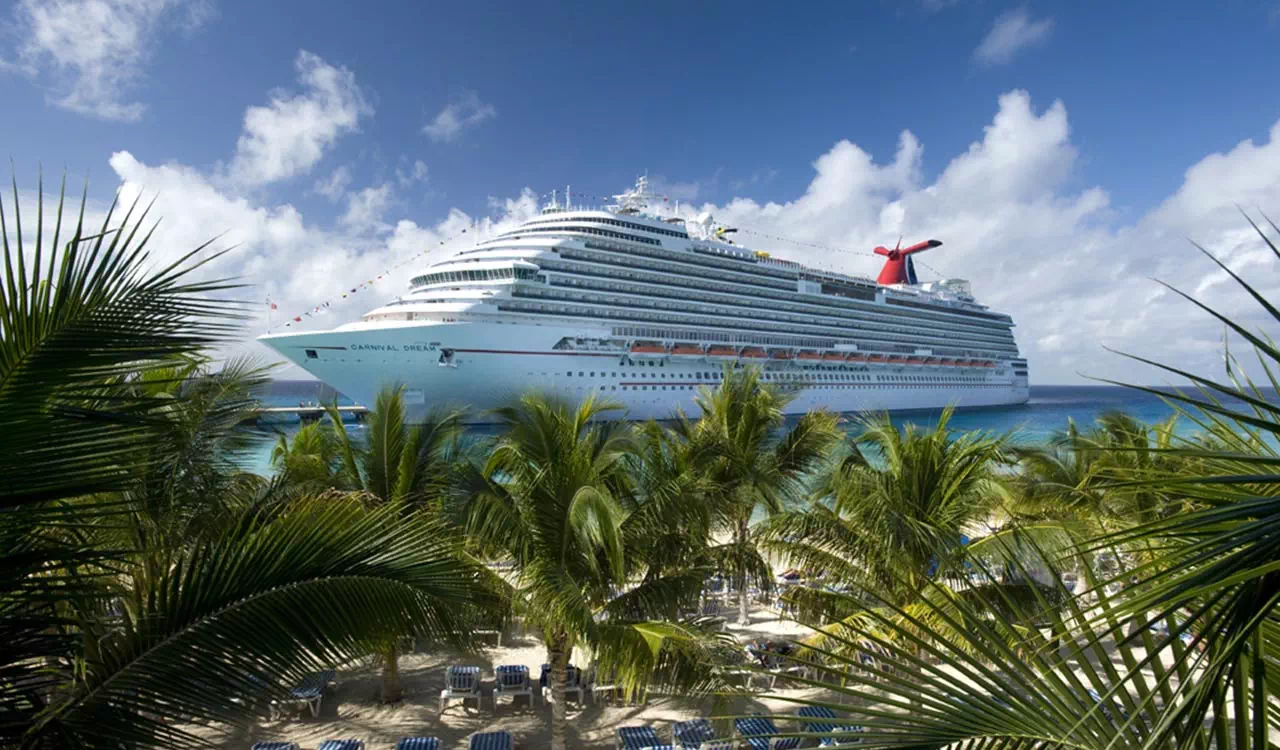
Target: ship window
x=311, y=354
x=580, y=374
x=570, y=374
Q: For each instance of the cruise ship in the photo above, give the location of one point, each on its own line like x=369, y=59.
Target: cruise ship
x=644, y=310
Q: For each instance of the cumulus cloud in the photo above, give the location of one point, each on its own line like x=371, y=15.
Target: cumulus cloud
x=366, y=208
x=92, y=52
x=288, y=136
x=408, y=175
x=1012, y=33
x=459, y=115
x=300, y=264
x=1074, y=276
x=334, y=186
x=1056, y=258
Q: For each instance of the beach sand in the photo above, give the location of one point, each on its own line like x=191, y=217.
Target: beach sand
x=351, y=708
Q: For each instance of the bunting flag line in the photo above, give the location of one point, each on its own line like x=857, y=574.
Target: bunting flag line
x=322, y=307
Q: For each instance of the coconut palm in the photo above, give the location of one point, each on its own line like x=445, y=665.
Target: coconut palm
x=556, y=497
x=900, y=516
x=311, y=456
x=750, y=464
x=398, y=464
x=1182, y=658
x=103, y=649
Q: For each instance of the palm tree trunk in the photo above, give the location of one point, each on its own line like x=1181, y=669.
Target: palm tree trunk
x=558, y=658
x=391, y=690
x=743, y=599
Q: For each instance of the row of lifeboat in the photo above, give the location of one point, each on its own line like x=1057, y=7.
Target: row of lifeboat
x=809, y=357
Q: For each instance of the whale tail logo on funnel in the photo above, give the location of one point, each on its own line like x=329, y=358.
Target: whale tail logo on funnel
x=899, y=269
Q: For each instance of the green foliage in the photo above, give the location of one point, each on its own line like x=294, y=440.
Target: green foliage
x=1174, y=648
x=745, y=466
x=145, y=580
x=557, y=498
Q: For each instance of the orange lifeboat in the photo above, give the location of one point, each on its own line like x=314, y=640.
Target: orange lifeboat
x=753, y=352
x=722, y=352
x=876, y=358
x=832, y=357
x=686, y=350
x=781, y=354
x=648, y=349
x=855, y=358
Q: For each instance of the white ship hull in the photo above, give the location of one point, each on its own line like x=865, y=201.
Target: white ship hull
x=489, y=365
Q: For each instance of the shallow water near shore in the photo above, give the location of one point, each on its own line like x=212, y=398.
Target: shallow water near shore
x=1048, y=411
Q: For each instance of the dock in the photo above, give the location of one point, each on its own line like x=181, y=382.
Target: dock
x=305, y=413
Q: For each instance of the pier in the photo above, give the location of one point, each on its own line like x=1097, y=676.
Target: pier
x=305, y=413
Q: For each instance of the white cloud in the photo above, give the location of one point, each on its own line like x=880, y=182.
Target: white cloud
x=407, y=176
x=1012, y=32
x=366, y=208
x=291, y=134
x=334, y=186
x=1056, y=258
x=1074, y=276
x=92, y=51
x=466, y=112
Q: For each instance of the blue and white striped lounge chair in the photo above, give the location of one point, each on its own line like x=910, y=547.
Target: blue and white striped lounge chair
x=418, y=743
x=462, y=683
x=512, y=680
x=759, y=733
x=342, y=745
x=572, y=682
x=309, y=691
x=637, y=738
x=698, y=734
x=825, y=725
x=492, y=741
x=275, y=746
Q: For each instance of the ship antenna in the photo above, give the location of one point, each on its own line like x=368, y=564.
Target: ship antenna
x=567, y=202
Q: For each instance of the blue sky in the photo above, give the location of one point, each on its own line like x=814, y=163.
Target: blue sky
x=435, y=116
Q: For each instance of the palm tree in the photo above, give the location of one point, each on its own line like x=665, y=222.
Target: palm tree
x=747, y=466
x=399, y=464
x=901, y=516
x=310, y=457
x=1183, y=658
x=104, y=647
x=556, y=497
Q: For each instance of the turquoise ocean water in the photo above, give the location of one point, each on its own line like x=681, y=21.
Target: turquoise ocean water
x=1047, y=412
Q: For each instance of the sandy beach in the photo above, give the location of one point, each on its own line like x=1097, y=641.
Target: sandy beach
x=351, y=708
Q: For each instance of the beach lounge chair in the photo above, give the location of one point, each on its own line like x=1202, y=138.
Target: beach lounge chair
x=779, y=666
x=512, y=680
x=638, y=738
x=309, y=691
x=759, y=731
x=461, y=684
x=275, y=746
x=418, y=743
x=573, y=682
x=698, y=734
x=342, y=745
x=492, y=741
x=825, y=724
